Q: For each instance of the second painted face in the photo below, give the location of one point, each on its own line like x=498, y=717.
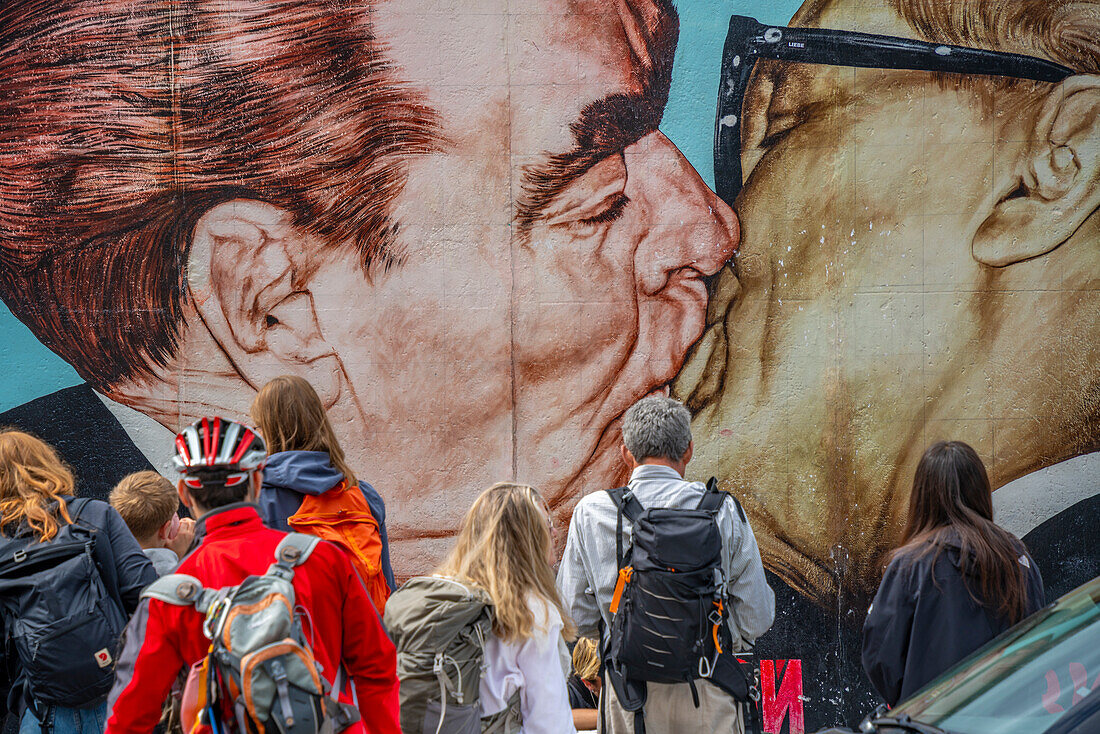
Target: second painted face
x=858, y=325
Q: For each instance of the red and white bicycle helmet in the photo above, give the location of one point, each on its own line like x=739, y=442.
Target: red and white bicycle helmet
x=215, y=451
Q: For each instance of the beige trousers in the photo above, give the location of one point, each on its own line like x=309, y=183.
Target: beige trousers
x=669, y=709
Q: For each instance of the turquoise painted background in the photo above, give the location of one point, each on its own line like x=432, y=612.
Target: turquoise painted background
x=31, y=370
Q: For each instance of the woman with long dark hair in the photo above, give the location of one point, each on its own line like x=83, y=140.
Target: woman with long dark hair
x=956, y=582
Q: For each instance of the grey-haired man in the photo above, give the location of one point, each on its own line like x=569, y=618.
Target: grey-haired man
x=657, y=446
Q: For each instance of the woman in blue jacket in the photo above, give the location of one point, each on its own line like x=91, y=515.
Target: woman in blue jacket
x=306, y=458
x=957, y=581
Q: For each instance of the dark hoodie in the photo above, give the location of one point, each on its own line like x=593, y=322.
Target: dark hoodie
x=290, y=474
x=923, y=620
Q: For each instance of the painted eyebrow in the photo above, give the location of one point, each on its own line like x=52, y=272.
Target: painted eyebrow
x=604, y=128
x=609, y=125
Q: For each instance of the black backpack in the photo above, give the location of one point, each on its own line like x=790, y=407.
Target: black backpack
x=670, y=604
x=59, y=616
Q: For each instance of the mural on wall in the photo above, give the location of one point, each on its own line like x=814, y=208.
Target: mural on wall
x=918, y=261
x=469, y=230
x=203, y=196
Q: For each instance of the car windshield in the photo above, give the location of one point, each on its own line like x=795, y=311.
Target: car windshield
x=1023, y=681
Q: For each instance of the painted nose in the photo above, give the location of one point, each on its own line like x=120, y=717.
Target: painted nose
x=692, y=233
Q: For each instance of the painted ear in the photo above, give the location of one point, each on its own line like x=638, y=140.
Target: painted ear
x=1058, y=185
x=249, y=274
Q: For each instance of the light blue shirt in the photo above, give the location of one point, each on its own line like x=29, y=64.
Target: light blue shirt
x=589, y=567
x=164, y=560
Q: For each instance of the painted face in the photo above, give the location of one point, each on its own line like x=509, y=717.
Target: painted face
x=553, y=256
x=858, y=327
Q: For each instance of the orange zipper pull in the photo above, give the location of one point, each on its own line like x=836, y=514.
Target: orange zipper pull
x=624, y=579
x=714, y=632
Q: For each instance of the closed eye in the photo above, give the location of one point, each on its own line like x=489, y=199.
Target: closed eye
x=616, y=205
x=593, y=200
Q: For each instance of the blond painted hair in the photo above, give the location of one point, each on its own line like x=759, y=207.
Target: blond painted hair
x=504, y=547
x=586, y=659
x=1065, y=31
x=146, y=501
x=290, y=417
x=32, y=479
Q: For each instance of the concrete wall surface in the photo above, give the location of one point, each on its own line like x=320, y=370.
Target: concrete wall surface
x=484, y=229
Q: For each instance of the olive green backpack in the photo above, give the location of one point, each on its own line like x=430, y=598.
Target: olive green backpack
x=439, y=626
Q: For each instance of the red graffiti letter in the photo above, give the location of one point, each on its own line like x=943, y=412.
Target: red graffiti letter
x=1054, y=690
x=787, y=701
x=1081, y=682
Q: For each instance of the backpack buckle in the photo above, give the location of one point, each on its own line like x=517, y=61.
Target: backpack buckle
x=19, y=556
x=715, y=616
x=290, y=554
x=706, y=667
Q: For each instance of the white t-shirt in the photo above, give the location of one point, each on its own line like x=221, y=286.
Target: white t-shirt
x=536, y=667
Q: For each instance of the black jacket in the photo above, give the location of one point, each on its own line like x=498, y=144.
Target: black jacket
x=123, y=566
x=923, y=621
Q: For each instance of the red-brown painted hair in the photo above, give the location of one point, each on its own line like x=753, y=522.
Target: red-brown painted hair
x=123, y=121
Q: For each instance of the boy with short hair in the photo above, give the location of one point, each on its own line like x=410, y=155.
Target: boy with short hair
x=149, y=505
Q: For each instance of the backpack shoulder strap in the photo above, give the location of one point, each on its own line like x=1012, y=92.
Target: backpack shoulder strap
x=713, y=498
x=626, y=504
x=180, y=590
x=295, y=549
x=77, y=506
x=740, y=510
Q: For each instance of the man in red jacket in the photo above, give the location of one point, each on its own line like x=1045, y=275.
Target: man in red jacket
x=220, y=462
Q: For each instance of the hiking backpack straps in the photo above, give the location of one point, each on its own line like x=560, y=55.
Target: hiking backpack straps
x=260, y=673
x=439, y=626
x=740, y=680
x=61, y=619
x=669, y=605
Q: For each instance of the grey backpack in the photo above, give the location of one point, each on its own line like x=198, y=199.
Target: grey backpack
x=439, y=626
x=260, y=674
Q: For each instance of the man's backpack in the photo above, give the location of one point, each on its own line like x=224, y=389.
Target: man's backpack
x=59, y=616
x=260, y=674
x=670, y=604
x=341, y=515
x=439, y=626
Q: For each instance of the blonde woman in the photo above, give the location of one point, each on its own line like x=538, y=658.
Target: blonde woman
x=71, y=573
x=306, y=461
x=584, y=685
x=505, y=548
